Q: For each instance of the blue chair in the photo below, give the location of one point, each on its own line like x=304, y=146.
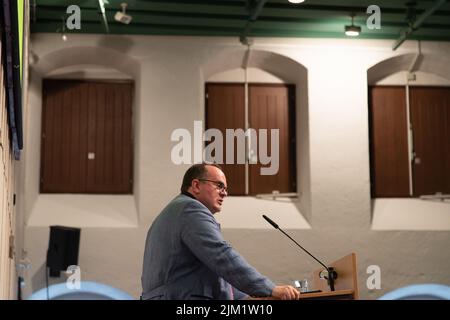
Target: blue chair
x=89, y=290
x=419, y=292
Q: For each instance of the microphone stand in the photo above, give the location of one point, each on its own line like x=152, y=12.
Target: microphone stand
x=332, y=274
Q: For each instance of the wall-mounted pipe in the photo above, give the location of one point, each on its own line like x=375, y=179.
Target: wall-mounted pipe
x=254, y=13
x=409, y=127
x=415, y=58
x=248, y=142
x=417, y=23
x=101, y=4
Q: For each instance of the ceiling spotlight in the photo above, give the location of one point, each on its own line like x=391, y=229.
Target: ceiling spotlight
x=352, y=30
x=296, y=1
x=62, y=30
x=122, y=16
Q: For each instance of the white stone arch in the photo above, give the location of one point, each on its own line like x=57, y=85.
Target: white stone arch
x=86, y=55
x=430, y=63
x=281, y=66
x=289, y=71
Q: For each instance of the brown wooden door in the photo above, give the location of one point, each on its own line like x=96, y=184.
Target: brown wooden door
x=64, y=139
x=225, y=109
x=86, y=137
x=430, y=117
x=271, y=107
x=389, y=142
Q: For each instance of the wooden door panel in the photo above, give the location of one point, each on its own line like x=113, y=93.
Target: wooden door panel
x=225, y=109
x=389, y=142
x=430, y=108
x=61, y=170
x=270, y=108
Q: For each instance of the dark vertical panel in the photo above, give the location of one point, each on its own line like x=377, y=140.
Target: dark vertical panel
x=225, y=110
x=100, y=156
x=126, y=152
x=48, y=111
x=66, y=108
x=57, y=161
x=109, y=136
x=118, y=136
x=74, y=138
x=270, y=108
x=389, y=144
x=111, y=123
x=83, y=135
x=429, y=117
x=57, y=130
x=447, y=143
x=292, y=136
x=92, y=143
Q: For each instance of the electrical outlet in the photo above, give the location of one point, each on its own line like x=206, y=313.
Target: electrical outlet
x=411, y=76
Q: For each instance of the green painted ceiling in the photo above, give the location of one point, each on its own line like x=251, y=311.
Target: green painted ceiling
x=278, y=18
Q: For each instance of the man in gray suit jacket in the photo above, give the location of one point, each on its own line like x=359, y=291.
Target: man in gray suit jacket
x=186, y=256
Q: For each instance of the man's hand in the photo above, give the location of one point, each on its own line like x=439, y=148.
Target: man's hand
x=285, y=293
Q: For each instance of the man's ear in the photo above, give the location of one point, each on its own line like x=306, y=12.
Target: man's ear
x=195, y=185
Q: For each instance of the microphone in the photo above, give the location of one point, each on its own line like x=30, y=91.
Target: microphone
x=332, y=274
x=271, y=222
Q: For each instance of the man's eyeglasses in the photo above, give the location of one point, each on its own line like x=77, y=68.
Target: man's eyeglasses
x=219, y=185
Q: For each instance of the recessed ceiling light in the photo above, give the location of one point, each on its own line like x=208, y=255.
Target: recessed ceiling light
x=352, y=30
x=296, y=1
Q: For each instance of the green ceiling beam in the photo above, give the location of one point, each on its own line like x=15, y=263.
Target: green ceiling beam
x=278, y=18
x=97, y=28
x=92, y=15
x=142, y=19
x=416, y=23
x=134, y=6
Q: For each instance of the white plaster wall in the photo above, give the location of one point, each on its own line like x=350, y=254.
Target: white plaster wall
x=333, y=214
x=79, y=210
x=410, y=214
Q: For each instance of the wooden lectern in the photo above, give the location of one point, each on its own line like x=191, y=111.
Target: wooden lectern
x=346, y=284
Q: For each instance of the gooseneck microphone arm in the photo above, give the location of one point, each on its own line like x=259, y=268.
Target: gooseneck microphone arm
x=332, y=275
x=281, y=230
